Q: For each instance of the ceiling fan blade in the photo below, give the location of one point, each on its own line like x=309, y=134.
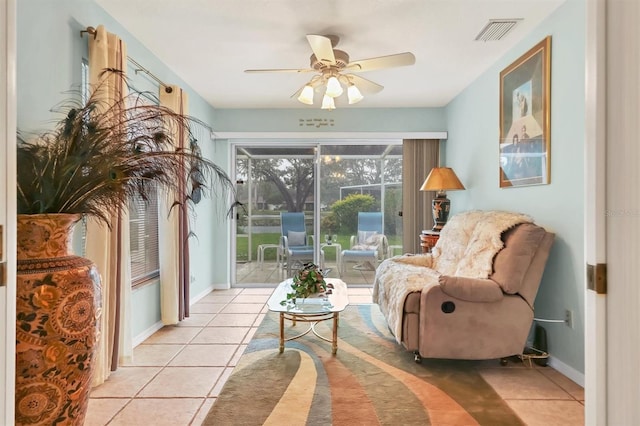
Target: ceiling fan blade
x=322, y=48
x=397, y=60
x=280, y=70
x=363, y=84
x=297, y=92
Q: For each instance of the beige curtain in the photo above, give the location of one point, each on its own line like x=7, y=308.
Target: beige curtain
x=419, y=156
x=173, y=229
x=109, y=249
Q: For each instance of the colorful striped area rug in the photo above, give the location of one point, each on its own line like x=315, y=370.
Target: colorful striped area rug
x=371, y=381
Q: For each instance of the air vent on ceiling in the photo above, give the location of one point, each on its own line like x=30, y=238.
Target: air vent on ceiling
x=496, y=29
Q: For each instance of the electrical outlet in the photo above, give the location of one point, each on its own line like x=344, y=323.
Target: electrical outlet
x=568, y=318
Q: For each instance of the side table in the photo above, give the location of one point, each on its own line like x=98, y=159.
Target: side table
x=338, y=248
x=262, y=248
x=428, y=240
x=392, y=250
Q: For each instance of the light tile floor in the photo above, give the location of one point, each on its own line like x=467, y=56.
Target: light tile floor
x=179, y=371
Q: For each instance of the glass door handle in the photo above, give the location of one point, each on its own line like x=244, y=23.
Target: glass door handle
x=3, y=263
x=3, y=274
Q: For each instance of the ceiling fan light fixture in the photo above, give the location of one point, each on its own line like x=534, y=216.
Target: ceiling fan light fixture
x=306, y=96
x=354, y=94
x=333, y=70
x=334, y=89
x=328, y=103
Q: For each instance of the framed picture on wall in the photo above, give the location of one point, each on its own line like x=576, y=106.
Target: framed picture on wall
x=525, y=118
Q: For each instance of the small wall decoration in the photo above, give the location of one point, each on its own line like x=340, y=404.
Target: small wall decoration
x=525, y=118
x=316, y=122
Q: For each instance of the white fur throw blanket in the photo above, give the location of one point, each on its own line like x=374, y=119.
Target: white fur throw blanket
x=467, y=245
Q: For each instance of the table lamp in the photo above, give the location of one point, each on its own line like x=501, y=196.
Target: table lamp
x=441, y=179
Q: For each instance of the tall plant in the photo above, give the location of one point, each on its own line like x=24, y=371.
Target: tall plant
x=347, y=210
x=101, y=153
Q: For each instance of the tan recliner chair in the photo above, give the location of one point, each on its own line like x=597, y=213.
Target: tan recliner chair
x=470, y=318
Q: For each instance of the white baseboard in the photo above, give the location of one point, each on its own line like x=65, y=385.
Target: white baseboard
x=200, y=295
x=157, y=326
x=147, y=333
x=221, y=286
x=208, y=290
x=567, y=370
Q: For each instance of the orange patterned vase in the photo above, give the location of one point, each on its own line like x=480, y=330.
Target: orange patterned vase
x=58, y=308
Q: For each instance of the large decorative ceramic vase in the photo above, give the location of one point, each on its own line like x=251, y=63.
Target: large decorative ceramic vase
x=58, y=308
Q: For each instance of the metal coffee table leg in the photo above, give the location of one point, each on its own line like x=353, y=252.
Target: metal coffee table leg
x=281, y=332
x=334, y=346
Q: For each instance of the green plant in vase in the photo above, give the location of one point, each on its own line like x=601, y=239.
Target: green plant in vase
x=307, y=281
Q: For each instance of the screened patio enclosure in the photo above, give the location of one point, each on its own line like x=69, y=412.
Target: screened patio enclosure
x=328, y=183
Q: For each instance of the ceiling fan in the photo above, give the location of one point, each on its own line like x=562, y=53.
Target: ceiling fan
x=335, y=71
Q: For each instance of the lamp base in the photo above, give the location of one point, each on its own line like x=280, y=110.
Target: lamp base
x=441, y=206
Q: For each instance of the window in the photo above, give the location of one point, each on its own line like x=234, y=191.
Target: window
x=143, y=224
x=143, y=227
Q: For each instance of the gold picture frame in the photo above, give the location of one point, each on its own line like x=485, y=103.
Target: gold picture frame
x=525, y=118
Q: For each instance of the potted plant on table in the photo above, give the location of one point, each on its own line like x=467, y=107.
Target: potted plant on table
x=308, y=281
x=98, y=156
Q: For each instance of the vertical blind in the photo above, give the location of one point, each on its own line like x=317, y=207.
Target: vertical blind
x=419, y=156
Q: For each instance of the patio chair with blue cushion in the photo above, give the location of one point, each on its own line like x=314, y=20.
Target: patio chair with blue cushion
x=369, y=246
x=296, y=246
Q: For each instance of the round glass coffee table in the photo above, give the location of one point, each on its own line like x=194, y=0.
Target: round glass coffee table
x=312, y=309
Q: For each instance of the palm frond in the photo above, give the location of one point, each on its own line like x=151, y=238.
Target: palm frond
x=100, y=154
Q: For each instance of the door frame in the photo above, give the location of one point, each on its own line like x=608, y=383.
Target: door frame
x=613, y=330
x=595, y=207
x=8, y=208
x=234, y=218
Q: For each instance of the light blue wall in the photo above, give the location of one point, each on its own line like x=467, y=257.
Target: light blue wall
x=472, y=150
x=210, y=249
x=50, y=53
x=315, y=120
x=49, y=58
x=146, y=307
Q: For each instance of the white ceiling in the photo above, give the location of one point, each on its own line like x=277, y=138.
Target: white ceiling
x=209, y=43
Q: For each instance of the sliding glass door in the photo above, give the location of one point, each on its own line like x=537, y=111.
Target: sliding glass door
x=281, y=197
x=357, y=179
x=276, y=186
